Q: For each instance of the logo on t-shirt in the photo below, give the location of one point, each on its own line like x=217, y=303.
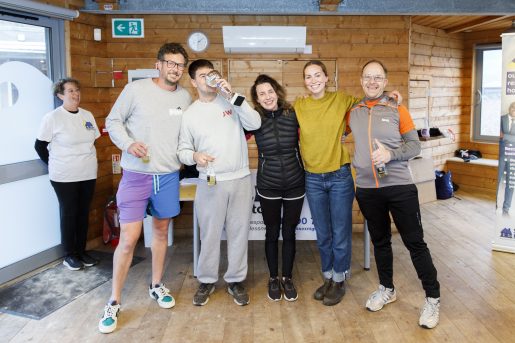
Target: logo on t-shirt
x=227, y=113
x=89, y=126
x=175, y=111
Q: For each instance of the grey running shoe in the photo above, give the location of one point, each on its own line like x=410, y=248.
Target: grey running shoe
x=239, y=293
x=201, y=297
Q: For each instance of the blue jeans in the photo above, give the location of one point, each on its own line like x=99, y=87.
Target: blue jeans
x=330, y=197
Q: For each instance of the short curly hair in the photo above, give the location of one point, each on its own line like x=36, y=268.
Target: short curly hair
x=172, y=48
x=58, y=87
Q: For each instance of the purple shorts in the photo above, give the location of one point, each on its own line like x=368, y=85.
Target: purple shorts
x=136, y=191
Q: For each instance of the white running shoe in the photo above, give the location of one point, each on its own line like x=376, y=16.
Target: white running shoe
x=162, y=295
x=109, y=320
x=380, y=297
x=430, y=314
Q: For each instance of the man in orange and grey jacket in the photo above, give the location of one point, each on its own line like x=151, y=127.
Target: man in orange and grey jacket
x=385, y=138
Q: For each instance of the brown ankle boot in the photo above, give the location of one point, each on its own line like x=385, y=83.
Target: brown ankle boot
x=320, y=292
x=334, y=294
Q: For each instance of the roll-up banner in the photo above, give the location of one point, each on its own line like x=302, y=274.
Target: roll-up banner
x=504, y=238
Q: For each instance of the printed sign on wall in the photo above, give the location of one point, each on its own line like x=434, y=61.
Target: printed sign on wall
x=305, y=229
x=504, y=235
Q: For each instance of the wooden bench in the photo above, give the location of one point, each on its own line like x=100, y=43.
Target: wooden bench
x=480, y=174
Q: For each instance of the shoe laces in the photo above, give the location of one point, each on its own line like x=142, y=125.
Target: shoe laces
x=288, y=284
x=237, y=288
x=382, y=293
x=161, y=290
x=110, y=310
x=431, y=306
x=204, y=287
x=274, y=283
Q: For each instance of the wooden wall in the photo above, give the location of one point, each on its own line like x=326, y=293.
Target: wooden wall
x=438, y=60
x=414, y=55
x=350, y=41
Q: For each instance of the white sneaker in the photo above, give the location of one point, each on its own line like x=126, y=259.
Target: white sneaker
x=379, y=298
x=162, y=295
x=109, y=320
x=430, y=314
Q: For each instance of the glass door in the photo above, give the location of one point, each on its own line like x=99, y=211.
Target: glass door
x=30, y=58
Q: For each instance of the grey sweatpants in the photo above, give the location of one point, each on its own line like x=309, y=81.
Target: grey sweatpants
x=227, y=204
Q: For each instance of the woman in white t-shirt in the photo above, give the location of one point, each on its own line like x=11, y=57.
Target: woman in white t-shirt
x=65, y=142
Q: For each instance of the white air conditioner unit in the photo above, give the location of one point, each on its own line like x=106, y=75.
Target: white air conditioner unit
x=264, y=39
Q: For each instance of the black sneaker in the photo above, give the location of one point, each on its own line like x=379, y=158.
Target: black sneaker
x=201, y=297
x=239, y=293
x=87, y=260
x=320, y=292
x=274, y=289
x=290, y=293
x=334, y=294
x=72, y=262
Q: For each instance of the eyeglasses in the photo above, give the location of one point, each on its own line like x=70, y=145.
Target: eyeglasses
x=172, y=64
x=376, y=78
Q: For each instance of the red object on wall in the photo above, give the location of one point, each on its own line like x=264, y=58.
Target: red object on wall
x=117, y=74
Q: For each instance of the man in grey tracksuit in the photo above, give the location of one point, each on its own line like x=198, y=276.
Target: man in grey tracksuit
x=212, y=137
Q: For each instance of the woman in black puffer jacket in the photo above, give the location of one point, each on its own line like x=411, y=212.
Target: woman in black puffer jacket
x=280, y=180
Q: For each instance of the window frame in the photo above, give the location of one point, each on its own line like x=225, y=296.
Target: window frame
x=476, y=93
x=30, y=169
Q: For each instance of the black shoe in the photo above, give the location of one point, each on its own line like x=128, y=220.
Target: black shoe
x=239, y=293
x=87, y=260
x=320, y=292
x=73, y=263
x=290, y=293
x=334, y=294
x=274, y=289
x=201, y=297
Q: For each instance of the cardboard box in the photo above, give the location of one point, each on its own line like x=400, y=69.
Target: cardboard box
x=423, y=173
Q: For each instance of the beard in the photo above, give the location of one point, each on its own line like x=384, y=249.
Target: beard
x=168, y=76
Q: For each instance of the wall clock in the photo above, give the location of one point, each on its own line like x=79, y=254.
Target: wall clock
x=198, y=41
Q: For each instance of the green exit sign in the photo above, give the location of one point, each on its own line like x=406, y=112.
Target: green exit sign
x=128, y=28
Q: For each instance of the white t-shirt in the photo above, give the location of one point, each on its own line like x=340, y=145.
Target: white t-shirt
x=72, y=153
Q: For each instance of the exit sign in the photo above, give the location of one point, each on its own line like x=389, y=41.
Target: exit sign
x=128, y=28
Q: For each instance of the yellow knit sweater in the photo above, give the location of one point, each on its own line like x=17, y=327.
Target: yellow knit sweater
x=322, y=124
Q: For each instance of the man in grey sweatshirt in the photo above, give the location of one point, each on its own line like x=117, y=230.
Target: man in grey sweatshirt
x=212, y=137
x=144, y=123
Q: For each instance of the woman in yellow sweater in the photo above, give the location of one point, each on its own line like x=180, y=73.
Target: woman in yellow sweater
x=329, y=184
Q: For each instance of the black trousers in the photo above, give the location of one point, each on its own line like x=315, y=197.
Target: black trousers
x=402, y=201
x=74, y=201
x=291, y=204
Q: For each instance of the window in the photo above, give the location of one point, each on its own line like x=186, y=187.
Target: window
x=487, y=93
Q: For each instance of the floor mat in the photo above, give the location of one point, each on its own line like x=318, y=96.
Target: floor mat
x=45, y=292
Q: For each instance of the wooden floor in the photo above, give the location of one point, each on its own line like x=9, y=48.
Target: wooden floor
x=478, y=295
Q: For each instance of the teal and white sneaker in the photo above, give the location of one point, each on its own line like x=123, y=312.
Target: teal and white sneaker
x=109, y=320
x=162, y=295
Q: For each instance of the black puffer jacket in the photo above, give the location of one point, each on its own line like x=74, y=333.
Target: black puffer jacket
x=280, y=165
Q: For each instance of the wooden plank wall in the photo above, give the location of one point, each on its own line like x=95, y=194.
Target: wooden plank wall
x=349, y=41
x=410, y=52
x=439, y=57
